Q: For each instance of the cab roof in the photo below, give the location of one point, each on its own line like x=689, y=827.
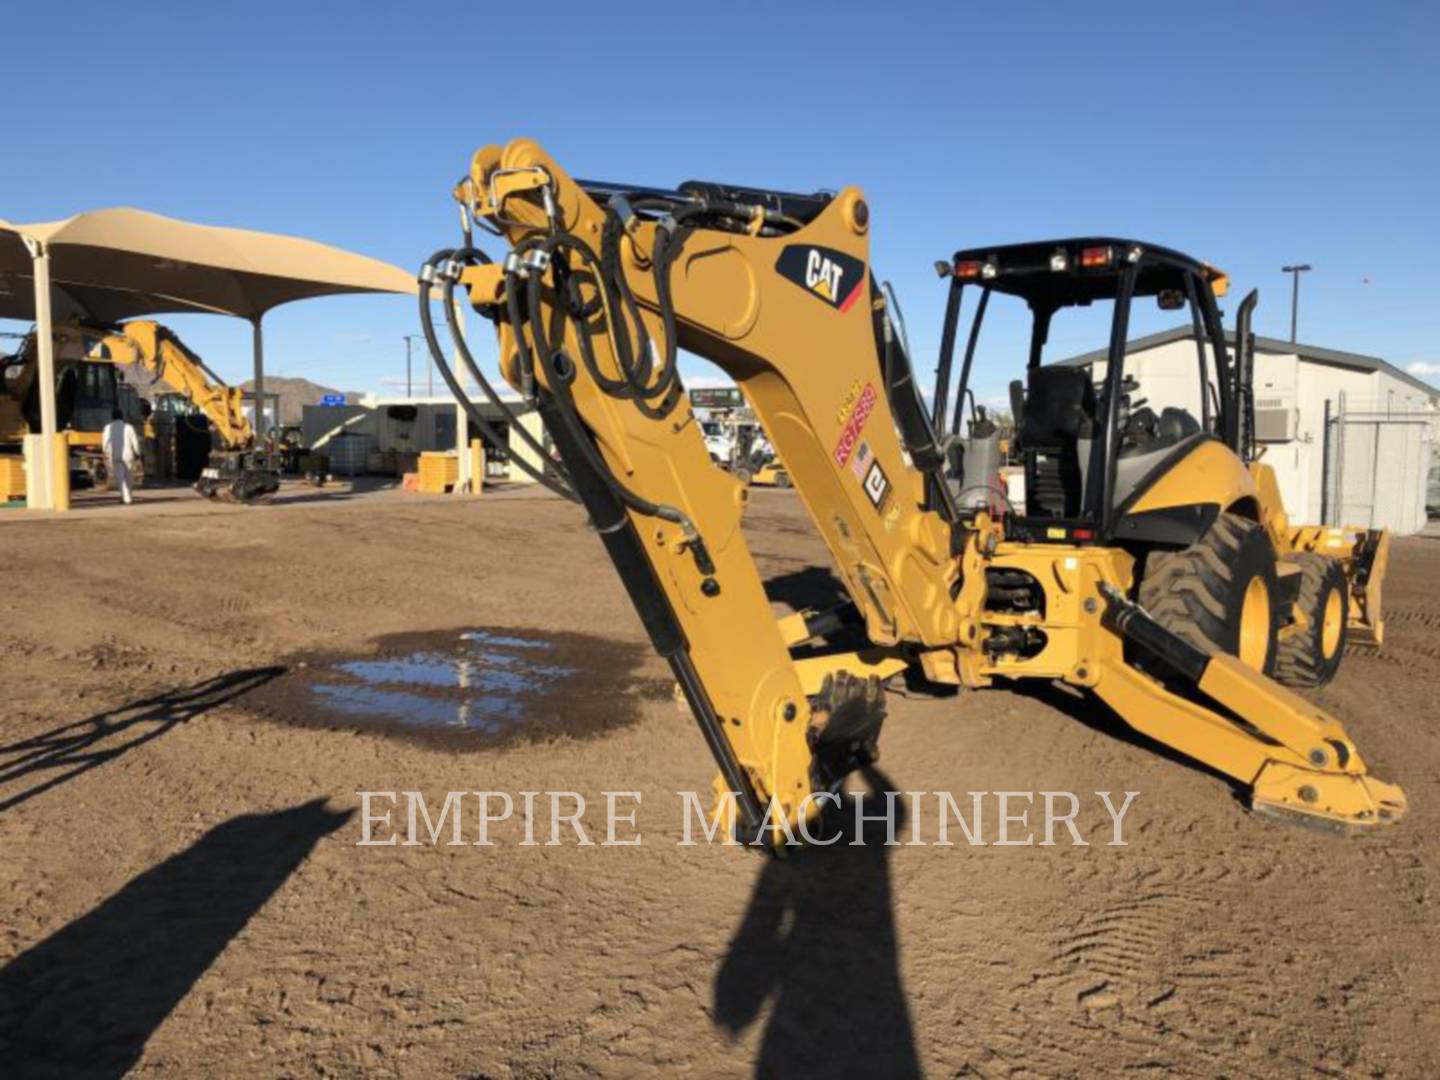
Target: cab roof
x=1031, y=271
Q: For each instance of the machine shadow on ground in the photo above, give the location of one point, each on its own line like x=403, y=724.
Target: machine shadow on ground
x=812, y=587
x=818, y=945
x=35, y=765
x=86, y=999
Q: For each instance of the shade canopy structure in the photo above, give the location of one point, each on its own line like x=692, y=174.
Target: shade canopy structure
x=173, y=265
x=109, y=265
x=72, y=303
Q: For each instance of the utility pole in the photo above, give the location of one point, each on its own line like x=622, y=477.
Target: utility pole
x=409, y=382
x=1294, y=272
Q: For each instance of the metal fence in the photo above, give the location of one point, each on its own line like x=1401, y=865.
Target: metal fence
x=1376, y=467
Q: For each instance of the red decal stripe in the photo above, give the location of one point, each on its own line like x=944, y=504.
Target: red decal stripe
x=850, y=435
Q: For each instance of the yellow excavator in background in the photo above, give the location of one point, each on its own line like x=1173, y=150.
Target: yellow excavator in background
x=239, y=470
x=88, y=390
x=604, y=283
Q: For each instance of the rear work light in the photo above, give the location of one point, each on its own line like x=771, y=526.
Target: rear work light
x=1059, y=262
x=1090, y=258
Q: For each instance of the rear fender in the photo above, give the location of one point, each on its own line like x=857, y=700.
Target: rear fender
x=1185, y=494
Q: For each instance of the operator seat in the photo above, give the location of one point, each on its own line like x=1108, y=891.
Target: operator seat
x=1055, y=432
x=1151, y=444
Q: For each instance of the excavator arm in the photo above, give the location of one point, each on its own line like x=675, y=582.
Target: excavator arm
x=239, y=470
x=605, y=283
x=161, y=353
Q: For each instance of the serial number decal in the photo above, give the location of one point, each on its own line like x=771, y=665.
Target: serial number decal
x=850, y=434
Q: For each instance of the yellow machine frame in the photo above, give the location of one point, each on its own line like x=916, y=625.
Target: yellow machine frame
x=804, y=345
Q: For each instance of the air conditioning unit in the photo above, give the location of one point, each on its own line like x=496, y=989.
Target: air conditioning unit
x=1275, y=421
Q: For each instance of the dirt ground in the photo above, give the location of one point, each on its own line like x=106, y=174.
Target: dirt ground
x=181, y=890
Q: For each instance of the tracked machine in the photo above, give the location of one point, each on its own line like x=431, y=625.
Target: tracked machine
x=601, y=286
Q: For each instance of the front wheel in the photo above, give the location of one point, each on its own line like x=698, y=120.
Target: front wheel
x=1310, y=656
x=1219, y=593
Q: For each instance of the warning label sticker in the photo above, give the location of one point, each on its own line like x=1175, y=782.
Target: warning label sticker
x=850, y=433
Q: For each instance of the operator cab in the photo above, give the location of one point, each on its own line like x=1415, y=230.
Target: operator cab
x=1089, y=443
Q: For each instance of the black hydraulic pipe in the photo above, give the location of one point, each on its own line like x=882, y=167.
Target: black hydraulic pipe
x=1197, y=330
x=462, y=347
x=1114, y=377
x=947, y=357
x=970, y=344
x=911, y=419
x=427, y=324
x=637, y=573
x=559, y=371
x=1133, y=623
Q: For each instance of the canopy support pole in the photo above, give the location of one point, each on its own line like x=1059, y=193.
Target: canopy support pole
x=259, y=395
x=42, y=465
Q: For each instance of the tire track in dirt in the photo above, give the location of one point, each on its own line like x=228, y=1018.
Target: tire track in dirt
x=1129, y=966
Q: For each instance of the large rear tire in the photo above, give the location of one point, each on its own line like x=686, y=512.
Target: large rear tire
x=1311, y=657
x=1219, y=593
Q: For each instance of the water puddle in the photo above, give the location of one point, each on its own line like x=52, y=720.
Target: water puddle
x=482, y=684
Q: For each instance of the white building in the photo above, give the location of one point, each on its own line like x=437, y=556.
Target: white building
x=1350, y=437
x=426, y=424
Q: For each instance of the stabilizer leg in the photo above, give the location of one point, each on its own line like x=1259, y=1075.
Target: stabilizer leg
x=1295, y=758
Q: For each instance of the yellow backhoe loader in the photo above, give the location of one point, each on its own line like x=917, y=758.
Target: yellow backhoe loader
x=603, y=283
x=1174, y=477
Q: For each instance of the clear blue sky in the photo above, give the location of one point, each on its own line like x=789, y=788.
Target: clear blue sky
x=1249, y=135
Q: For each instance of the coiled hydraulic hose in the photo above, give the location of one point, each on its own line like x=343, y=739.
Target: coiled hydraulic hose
x=470, y=256
x=560, y=373
x=427, y=324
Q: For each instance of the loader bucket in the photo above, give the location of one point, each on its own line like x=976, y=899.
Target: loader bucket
x=1367, y=577
x=1364, y=555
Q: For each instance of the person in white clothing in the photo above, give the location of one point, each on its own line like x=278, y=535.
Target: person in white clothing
x=122, y=450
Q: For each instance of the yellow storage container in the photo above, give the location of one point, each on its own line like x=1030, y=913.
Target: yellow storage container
x=438, y=472
x=12, y=477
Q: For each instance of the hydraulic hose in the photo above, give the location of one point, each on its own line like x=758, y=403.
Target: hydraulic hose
x=427, y=324
x=469, y=256
x=560, y=372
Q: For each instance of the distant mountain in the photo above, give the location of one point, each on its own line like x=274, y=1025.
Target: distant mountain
x=295, y=394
